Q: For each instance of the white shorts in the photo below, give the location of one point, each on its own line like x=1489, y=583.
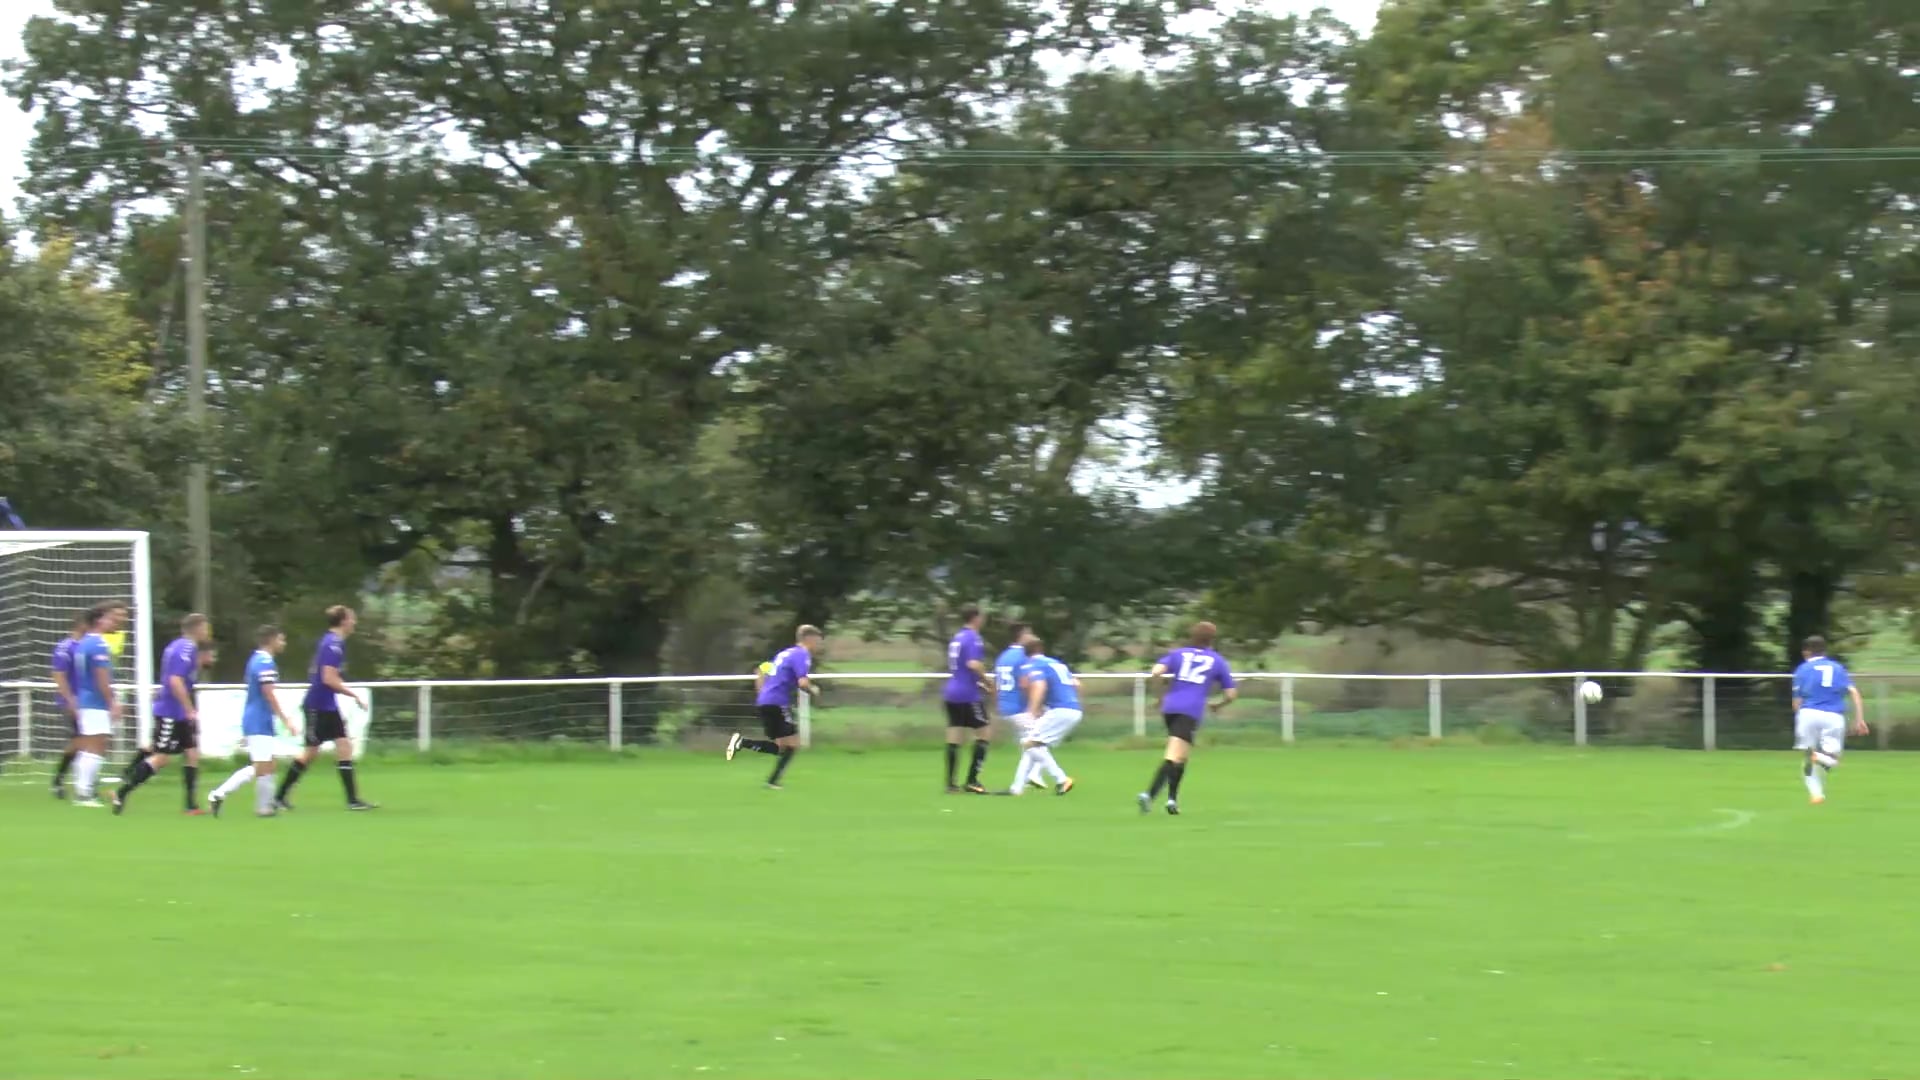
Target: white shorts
x=1053, y=727
x=95, y=722
x=1021, y=721
x=262, y=747
x=1818, y=729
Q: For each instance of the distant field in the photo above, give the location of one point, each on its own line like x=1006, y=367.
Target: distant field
x=1445, y=913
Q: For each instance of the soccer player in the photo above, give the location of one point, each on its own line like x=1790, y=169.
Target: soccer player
x=777, y=690
x=67, y=686
x=1053, y=699
x=176, y=722
x=966, y=711
x=325, y=687
x=1821, y=688
x=256, y=723
x=1196, y=668
x=96, y=705
x=1008, y=684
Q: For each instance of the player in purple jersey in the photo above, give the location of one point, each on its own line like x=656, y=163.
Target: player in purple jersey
x=967, y=680
x=1194, y=669
x=67, y=687
x=774, y=694
x=326, y=685
x=176, y=717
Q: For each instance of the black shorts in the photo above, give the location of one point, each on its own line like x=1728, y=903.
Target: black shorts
x=172, y=736
x=1181, y=727
x=777, y=722
x=325, y=726
x=967, y=714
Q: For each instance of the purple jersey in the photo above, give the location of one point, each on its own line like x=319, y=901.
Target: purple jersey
x=332, y=653
x=63, y=665
x=1194, y=673
x=789, y=667
x=963, y=683
x=182, y=658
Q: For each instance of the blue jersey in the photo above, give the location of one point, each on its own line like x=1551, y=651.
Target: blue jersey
x=1822, y=684
x=262, y=675
x=1006, y=680
x=63, y=655
x=91, y=657
x=1061, y=693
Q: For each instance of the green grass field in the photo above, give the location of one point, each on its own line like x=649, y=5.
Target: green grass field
x=1324, y=912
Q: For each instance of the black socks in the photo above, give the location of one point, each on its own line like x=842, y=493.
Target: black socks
x=786, y=757
x=979, y=759
x=953, y=761
x=294, y=773
x=347, y=780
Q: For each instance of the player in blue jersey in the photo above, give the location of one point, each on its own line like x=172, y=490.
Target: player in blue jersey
x=776, y=692
x=963, y=697
x=1195, y=670
x=67, y=688
x=1821, y=691
x=257, y=721
x=176, y=717
x=1053, y=699
x=96, y=704
x=326, y=685
x=1009, y=688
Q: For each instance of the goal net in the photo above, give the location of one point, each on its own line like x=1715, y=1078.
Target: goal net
x=47, y=578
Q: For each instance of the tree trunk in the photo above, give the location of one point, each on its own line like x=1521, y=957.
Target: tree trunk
x=1809, y=609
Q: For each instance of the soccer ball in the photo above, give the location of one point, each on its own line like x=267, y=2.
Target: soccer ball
x=1591, y=693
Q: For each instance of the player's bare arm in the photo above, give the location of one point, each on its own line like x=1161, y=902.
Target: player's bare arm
x=1859, y=710
x=177, y=686
x=1227, y=697
x=103, y=679
x=331, y=676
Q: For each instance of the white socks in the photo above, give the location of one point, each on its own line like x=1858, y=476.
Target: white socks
x=1024, y=773
x=1814, y=786
x=1043, y=757
x=232, y=783
x=86, y=772
x=263, y=795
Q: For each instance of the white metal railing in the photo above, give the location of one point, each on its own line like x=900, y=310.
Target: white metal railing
x=1138, y=702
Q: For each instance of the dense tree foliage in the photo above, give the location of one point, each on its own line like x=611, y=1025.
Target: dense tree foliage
x=592, y=337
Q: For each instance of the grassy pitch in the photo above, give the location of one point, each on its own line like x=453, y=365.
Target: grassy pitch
x=1331, y=912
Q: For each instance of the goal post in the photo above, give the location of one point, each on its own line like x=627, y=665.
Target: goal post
x=46, y=578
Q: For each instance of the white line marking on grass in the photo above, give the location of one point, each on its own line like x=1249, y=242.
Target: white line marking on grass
x=1733, y=819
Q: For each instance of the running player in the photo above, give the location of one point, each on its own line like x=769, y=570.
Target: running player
x=966, y=711
x=257, y=724
x=176, y=721
x=791, y=675
x=1053, y=699
x=1821, y=689
x=325, y=687
x=1012, y=700
x=67, y=686
x=96, y=705
x=1195, y=669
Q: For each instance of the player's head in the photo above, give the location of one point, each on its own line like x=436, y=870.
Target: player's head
x=1019, y=633
x=1034, y=646
x=1203, y=635
x=341, y=619
x=971, y=617
x=106, y=616
x=1813, y=646
x=808, y=637
x=197, y=628
x=270, y=638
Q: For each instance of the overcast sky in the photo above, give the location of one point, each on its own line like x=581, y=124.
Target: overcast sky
x=16, y=127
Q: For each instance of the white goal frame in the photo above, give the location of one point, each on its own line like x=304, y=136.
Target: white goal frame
x=142, y=661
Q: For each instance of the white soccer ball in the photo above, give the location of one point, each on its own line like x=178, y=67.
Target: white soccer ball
x=1591, y=693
